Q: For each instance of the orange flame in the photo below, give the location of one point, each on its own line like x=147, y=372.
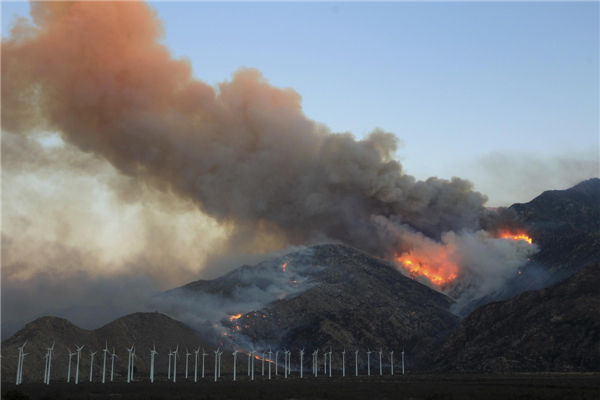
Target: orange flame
x=437, y=267
x=518, y=236
x=283, y=266
x=235, y=317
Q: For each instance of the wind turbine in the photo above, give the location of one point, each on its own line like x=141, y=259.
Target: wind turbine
x=325, y=363
x=276, y=359
x=289, y=362
x=270, y=359
x=263, y=363
x=196, y=352
x=133, y=357
x=153, y=352
x=216, y=361
x=252, y=352
x=249, y=357
x=170, y=354
x=316, y=354
x=369, y=362
x=175, y=354
x=356, y=361
x=92, y=363
x=403, y=361
x=392, y=361
x=104, y=366
x=187, y=354
x=203, y=355
x=234, y=362
x=50, y=350
x=130, y=351
x=330, y=352
x=112, y=368
x=20, y=364
x=380, y=367
x=301, y=357
x=285, y=352
x=220, y=354
x=46, y=368
x=344, y=362
x=69, y=373
x=78, y=357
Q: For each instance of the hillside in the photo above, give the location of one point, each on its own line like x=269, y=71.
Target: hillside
x=351, y=300
x=554, y=329
x=141, y=329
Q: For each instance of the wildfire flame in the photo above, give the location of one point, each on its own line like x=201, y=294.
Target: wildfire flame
x=283, y=266
x=518, y=236
x=235, y=317
x=437, y=267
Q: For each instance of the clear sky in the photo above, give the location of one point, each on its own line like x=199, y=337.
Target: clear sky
x=479, y=90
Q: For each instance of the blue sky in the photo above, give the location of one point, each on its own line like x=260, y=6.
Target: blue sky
x=460, y=83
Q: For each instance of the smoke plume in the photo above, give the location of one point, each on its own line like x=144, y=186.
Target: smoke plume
x=243, y=152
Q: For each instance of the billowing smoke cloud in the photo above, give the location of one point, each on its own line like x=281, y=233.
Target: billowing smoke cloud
x=243, y=152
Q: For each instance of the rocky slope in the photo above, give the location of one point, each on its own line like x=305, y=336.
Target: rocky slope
x=141, y=329
x=352, y=300
x=554, y=329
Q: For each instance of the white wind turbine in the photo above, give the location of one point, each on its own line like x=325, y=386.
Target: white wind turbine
x=276, y=360
x=380, y=367
x=20, y=364
x=133, y=357
x=47, y=356
x=235, y=361
x=252, y=353
x=196, y=352
x=69, y=373
x=325, y=362
x=170, y=355
x=78, y=357
x=285, y=352
x=129, y=358
x=330, y=353
x=263, y=363
x=402, y=361
x=175, y=355
x=392, y=361
x=153, y=353
x=356, y=361
x=187, y=354
x=344, y=362
x=112, y=368
x=92, y=363
x=369, y=362
x=316, y=354
x=270, y=359
x=220, y=354
x=104, y=366
x=203, y=355
x=216, y=363
x=50, y=350
x=301, y=363
x=289, y=362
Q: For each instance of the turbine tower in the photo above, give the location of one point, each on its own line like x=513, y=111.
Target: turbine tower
x=50, y=350
x=203, y=355
x=69, y=373
x=289, y=362
x=220, y=354
x=216, y=363
x=46, y=368
x=104, y=366
x=402, y=361
x=392, y=361
x=270, y=359
x=92, y=363
x=170, y=355
x=369, y=362
x=276, y=360
x=330, y=353
x=263, y=363
x=20, y=364
x=78, y=357
x=252, y=352
x=344, y=362
x=325, y=362
x=187, y=354
x=356, y=361
x=285, y=352
x=196, y=352
x=301, y=362
x=234, y=362
x=175, y=355
x=153, y=352
x=316, y=354
x=380, y=367
x=133, y=357
x=130, y=351
x=112, y=368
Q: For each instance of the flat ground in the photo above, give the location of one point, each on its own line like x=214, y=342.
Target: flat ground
x=410, y=386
